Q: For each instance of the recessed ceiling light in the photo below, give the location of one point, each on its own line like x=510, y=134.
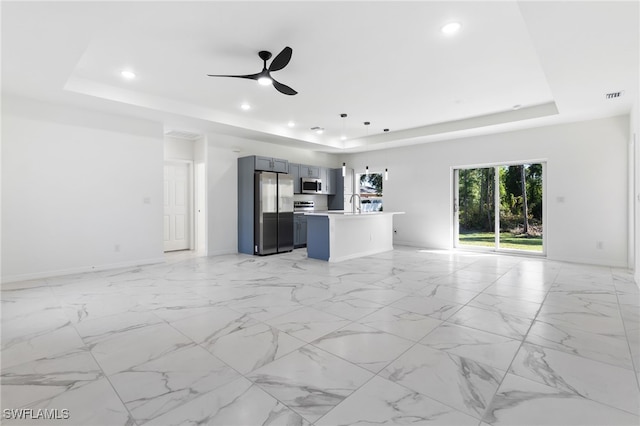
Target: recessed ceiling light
x=516, y=106
x=291, y=124
x=343, y=138
x=451, y=28
x=129, y=75
x=245, y=107
x=318, y=130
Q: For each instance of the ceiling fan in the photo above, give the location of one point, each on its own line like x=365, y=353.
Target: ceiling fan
x=264, y=76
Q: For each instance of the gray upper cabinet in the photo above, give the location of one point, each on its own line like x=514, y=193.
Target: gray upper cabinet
x=325, y=174
x=328, y=177
x=326, y=182
x=270, y=164
x=323, y=178
x=336, y=200
x=294, y=170
x=309, y=171
x=331, y=178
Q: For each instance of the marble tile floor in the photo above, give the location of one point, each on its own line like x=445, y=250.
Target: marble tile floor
x=405, y=337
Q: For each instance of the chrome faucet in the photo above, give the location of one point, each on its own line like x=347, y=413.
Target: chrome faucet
x=353, y=207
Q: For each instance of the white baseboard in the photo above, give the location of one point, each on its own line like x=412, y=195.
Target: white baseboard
x=418, y=245
x=79, y=270
x=568, y=259
x=586, y=261
x=222, y=252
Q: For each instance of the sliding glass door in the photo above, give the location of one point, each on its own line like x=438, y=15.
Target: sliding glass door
x=476, y=207
x=499, y=207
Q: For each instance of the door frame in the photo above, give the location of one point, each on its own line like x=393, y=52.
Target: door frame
x=191, y=195
x=454, y=219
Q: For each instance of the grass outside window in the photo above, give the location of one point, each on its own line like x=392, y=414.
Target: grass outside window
x=507, y=240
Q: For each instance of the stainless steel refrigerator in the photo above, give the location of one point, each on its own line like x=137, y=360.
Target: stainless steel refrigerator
x=273, y=229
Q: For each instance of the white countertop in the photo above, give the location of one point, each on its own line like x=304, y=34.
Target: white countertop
x=343, y=213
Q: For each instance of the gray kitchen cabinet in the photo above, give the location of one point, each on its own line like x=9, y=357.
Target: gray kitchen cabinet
x=294, y=170
x=325, y=181
x=299, y=230
x=309, y=171
x=271, y=164
x=336, y=200
x=328, y=181
x=303, y=231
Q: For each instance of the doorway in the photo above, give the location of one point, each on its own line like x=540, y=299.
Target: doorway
x=177, y=205
x=500, y=207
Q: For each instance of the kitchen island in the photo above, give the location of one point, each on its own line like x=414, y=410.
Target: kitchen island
x=337, y=235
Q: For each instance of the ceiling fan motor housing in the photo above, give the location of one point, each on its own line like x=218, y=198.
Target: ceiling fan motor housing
x=264, y=55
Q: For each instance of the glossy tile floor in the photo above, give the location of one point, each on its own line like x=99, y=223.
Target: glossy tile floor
x=405, y=337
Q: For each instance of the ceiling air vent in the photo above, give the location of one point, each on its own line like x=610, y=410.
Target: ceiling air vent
x=181, y=134
x=613, y=95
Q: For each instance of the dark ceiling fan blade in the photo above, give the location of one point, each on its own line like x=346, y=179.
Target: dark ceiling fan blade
x=249, y=76
x=281, y=60
x=283, y=88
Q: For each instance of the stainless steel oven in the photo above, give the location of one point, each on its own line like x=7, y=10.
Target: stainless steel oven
x=311, y=186
x=303, y=206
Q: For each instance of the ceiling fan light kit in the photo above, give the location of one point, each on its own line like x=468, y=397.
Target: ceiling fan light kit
x=264, y=77
x=129, y=75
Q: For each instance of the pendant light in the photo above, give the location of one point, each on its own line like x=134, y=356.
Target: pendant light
x=367, y=123
x=343, y=137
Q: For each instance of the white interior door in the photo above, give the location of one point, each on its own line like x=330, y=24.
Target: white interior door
x=177, y=211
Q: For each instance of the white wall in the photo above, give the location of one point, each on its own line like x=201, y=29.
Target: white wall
x=200, y=164
x=222, y=177
x=178, y=149
x=81, y=190
x=586, y=164
x=634, y=202
x=222, y=204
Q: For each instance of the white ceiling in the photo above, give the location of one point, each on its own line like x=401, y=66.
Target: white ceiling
x=383, y=62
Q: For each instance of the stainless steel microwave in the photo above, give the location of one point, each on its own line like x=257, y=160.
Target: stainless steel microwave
x=311, y=186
